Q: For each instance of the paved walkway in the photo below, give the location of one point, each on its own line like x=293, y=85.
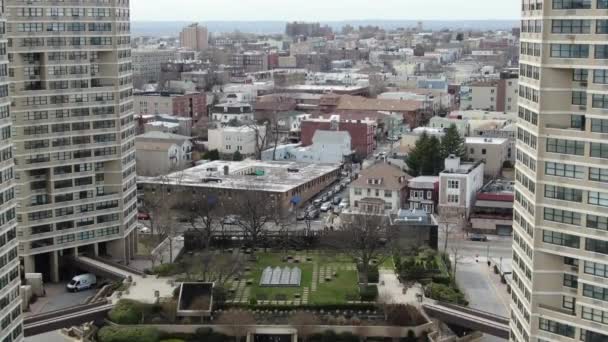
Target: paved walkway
x=392, y=290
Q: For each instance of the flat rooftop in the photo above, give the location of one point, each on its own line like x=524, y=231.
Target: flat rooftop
x=486, y=141
x=256, y=175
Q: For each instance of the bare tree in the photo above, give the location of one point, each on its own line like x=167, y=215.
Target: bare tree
x=364, y=237
x=213, y=267
x=448, y=226
x=204, y=212
x=261, y=130
x=237, y=322
x=457, y=259
x=257, y=209
x=305, y=323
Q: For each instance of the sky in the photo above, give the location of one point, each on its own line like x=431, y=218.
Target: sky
x=323, y=10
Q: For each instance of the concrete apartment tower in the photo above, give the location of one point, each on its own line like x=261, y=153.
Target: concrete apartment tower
x=10, y=310
x=72, y=112
x=560, y=249
x=194, y=37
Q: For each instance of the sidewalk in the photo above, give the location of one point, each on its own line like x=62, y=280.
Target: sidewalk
x=392, y=290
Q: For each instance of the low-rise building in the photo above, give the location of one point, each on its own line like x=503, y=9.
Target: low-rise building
x=232, y=111
x=458, y=186
x=190, y=104
x=362, y=132
x=228, y=140
x=411, y=228
x=379, y=189
x=492, y=151
x=277, y=182
x=165, y=123
x=423, y=193
x=327, y=147
x=160, y=153
x=493, y=210
x=147, y=64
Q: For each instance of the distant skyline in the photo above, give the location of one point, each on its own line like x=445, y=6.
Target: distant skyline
x=323, y=10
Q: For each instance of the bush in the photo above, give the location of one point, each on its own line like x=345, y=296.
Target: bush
x=331, y=336
x=368, y=293
x=208, y=335
x=166, y=270
x=373, y=275
x=127, y=334
x=173, y=340
x=404, y=315
x=444, y=293
x=126, y=312
x=313, y=307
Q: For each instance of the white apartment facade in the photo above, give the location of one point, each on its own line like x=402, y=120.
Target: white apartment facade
x=458, y=186
x=228, y=140
x=74, y=135
x=560, y=249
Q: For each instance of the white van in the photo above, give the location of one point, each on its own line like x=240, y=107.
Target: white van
x=82, y=282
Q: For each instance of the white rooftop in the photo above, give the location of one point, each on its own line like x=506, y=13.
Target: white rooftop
x=487, y=141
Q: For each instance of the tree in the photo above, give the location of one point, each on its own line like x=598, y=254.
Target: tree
x=237, y=322
x=213, y=267
x=452, y=143
x=256, y=208
x=261, y=135
x=305, y=323
x=425, y=157
x=204, y=212
x=237, y=156
x=212, y=155
x=460, y=36
x=363, y=237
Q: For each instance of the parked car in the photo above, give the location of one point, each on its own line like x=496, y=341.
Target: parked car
x=317, y=203
x=313, y=214
x=478, y=237
x=144, y=230
x=330, y=193
x=343, y=205
x=326, y=207
x=337, y=189
x=82, y=282
x=301, y=215
x=143, y=216
x=336, y=200
x=231, y=220
x=324, y=199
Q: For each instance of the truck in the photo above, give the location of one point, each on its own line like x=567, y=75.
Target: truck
x=82, y=282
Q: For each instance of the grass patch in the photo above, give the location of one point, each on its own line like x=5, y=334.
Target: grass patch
x=272, y=293
x=340, y=290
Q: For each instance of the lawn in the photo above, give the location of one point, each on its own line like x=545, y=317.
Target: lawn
x=339, y=290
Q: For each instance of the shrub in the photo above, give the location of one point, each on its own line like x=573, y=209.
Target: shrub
x=127, y=334
x=126, y=312
x=404, y=315
x=373, y=275
x=208, y=335
x=173, y=340
x=166, y=270
x=368, y=293
x=445, y=293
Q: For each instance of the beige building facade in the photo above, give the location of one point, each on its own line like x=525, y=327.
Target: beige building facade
x=194, y=37
x=560, y=249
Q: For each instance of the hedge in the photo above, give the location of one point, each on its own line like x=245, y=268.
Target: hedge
x=129, y=312
x=369, y=293
x=127, y=334
x=313, y=307
x=330, y=336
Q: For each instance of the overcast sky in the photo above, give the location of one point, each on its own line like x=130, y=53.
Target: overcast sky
x=323, y=10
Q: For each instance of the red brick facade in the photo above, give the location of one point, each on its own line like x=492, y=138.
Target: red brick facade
x=192, y=106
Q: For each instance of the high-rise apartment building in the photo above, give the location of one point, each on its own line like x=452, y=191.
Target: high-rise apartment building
x=194, y=37
x=560, y=249
x=10, y=309
x=72, y=112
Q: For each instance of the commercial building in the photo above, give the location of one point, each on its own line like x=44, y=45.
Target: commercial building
x=493, y=152
x=194, y=37
x=458, y=186
x=73, y=129
x=362, y=132
x=160, y=153
x=379, y=189
x=10, y=312
x=191, y=105
x=560, y=248
x=423, y=193
x=281, y=182
x=493, y=210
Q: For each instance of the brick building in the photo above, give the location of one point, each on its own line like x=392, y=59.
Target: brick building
x=362, y=132
x=191, y=105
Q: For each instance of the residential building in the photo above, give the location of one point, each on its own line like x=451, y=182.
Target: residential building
x=328, y=147
x=362, y=132
x=458, y=186
x=493, y=152
x=250, y=61
x=10, y=280
x=378, y=189
x=147, y=64
x=74, y=139
x=160, y=153
x=280, y=182
x=413, y=228
x=232, y=111
x=423, y=193
x=165, y=123
x=194, y=37
x=493, y=210
x=228, y=140
x=493, y=95
x=191, y=105
x=560, y=246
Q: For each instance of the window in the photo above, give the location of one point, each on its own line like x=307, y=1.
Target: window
x=569, y=303
x=597, y=222
x=562, y=216
x=358, y=191
x=453, y=184
x=599, y=150
x=563, y=146
x=454, y=199
x=569, y=50
x=596, y=246
x=571, y=26
x=579, y=98
x=600, y=76
x=556, y=328
x=601, y=51
x=601, y=26
x=580, y=75
x=602, y=4
x=570, y=281
x=598, y=175
x=577, y=121
x=595, y=315
x=564, y=170
x=595, y=269
x=563, y=193
x=600, y=101
x=598, y=198
x=561, y=239
x=595, y=292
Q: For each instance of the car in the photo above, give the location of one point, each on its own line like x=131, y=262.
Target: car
x=336, y=200
x=82, y=282
x=343, y=205
x=337, y=189
x=302, y=215
x=231, y=220
x=330, y=193
x=324, y=199
x=478, y=237
x=144, y=230
x=313, y=214
x=317, y=203
x=143, y=216
x=326, y=207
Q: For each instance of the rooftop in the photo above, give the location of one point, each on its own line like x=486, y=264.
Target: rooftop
x=497, y=190
x=391, y=177
x=162, y=136
x=423, y=182
x=487, y=141
x=246, y=175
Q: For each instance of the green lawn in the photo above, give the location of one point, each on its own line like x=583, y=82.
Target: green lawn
x=338, y=291
x=270, y=293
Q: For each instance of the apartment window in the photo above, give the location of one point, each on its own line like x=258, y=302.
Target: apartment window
x=600, y=76
x=579, y=98
x=571, y=26
x=598, y=175
x=597, y=222
x=570, y=261
x=596, y=269
x=564, y=170
x=563, y=193
x=388, y=193
x=569, y=50
x=556, y=328
x=596, y=246
x=561, y=239
x=569, y=303
x=562, y=216
x=453, y=184
x=599, y=150
x=454, y=199
x=594, y=315
x=598, y=198
x=601, y=51
x=602, y=4
x=358, y=191
x=601, y=26
x=595, y=292
x=563, y=146
x=570, y=281
x=580, y=75
x=571, y=4
x=600, y=101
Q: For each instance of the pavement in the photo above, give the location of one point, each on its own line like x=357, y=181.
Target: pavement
x=391, y=290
